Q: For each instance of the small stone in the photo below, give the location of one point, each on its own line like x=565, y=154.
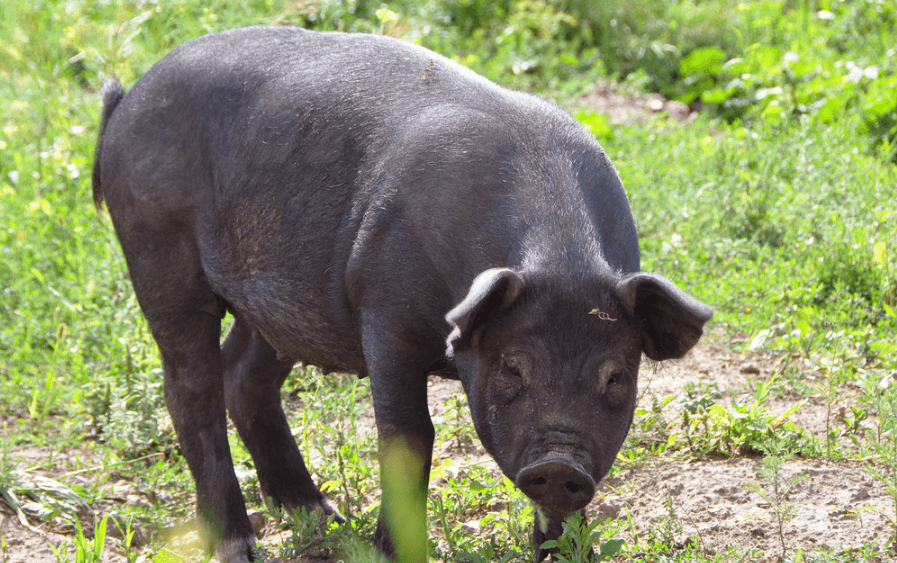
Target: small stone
x=258, y=521
x=123, y=489
x=138, y=500
x=607, y=511
x=677, y=110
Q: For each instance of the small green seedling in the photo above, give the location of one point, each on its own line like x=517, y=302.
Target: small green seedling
x=776, y=487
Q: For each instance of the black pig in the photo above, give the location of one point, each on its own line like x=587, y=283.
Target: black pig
x=343, y=196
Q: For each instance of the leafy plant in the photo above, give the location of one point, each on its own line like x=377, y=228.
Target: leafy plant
x=575, y=544
x=665, y=538
x=86, y=551
x=90, y=552
x=744, y=426
x=650, y=38
x=654, y=430
x=127, y=539
x=780, y=74
x=776, y=487
x=311, y=532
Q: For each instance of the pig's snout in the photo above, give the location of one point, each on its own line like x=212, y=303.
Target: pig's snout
x=557, y=484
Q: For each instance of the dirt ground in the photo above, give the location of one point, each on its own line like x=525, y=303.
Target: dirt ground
x=839, y=504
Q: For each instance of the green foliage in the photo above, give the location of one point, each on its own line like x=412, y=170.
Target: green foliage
x=126, y=543
x=311, y=532
x=575, y=544
x=767, y=226
x=741, y=428
x=795, y=61
x=655, y=431
x=664, y=542
x=649, y=38
x=90, y=552
x=776, y=487
x=597, y=123
x=86, y=551
x=524, y=44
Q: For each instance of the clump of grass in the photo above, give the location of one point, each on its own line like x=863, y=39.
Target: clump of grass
x=35, y=497
x=665, y=540
x=126, y=543
x=86, y=551
x=744, y=426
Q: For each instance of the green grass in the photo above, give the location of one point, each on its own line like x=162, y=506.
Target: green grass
x=776, y=205
x=780, y=228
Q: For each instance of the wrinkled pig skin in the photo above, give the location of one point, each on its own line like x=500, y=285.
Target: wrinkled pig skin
x=365, y=205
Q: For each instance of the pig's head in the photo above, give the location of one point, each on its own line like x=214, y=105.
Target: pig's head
x=551, y=372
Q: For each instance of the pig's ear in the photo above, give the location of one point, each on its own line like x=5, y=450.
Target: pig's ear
x=671, y=321
x=491, y=291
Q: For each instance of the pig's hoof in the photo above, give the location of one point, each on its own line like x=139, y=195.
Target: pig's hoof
x=240, y=550
x=329, y=510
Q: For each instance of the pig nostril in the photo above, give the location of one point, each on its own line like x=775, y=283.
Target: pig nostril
x=557, y=485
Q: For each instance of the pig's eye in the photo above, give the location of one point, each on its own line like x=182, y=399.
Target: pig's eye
x=511, y=378
x=514, y=365
x=511, y=370
x=616, y=388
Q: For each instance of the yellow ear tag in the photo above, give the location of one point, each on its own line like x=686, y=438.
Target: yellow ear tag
x=601, y=315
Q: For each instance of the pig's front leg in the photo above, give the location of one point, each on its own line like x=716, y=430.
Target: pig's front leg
x=399, y=387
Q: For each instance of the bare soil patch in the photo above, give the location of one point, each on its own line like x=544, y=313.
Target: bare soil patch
x=839, y=505
x=610, y=99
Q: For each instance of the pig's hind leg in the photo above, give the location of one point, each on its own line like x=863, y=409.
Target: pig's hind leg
x=253, y=375
x=184, y=316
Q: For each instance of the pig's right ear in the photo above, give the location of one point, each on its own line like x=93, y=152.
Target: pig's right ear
x=491, y=291
x=671, y=321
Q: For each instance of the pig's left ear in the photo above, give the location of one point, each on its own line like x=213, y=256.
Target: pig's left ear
x=491, y=291
x=672, y=322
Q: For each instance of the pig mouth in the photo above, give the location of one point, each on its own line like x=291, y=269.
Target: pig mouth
x=557, y=484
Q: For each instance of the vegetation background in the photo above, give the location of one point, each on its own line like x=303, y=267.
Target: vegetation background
x=775, y=202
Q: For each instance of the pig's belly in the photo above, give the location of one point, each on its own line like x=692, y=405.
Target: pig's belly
x=299, y=319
